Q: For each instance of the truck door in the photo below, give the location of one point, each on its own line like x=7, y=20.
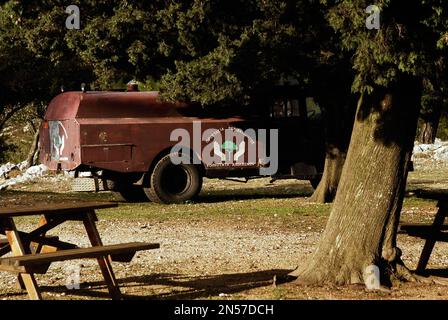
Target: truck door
x=297, y=119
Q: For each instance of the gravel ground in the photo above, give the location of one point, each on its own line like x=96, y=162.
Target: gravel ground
x=187, y=251
x=210, y=258
x=194, y=261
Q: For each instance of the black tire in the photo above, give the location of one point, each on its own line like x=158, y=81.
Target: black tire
x=170, y=183
x=315, y=182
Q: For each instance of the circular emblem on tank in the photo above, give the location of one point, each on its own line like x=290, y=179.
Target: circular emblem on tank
x=103, y=136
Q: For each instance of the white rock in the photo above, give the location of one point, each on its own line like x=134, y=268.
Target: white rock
x=4, y=169
x=435, y=151
x=29, y=175
x=36, y=171
x=22, y=165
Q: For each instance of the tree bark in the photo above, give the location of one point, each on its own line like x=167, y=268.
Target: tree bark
x=328, y=185
x=428, y=130
x=367, y=206
x=431, y=110
x=34, y=148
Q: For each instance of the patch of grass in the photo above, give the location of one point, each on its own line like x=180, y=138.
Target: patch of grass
x=420, y=178
x=257, y=208
x=414, y=202
x=281, y=205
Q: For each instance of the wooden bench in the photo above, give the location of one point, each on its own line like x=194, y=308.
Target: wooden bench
x=34, y=251
x=436, y=231
x=35, y=263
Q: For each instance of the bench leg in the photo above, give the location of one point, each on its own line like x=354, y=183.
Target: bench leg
x=34, y=248
x=104, y=262
x=17, y=249
x=430, y=242
x=424, y=257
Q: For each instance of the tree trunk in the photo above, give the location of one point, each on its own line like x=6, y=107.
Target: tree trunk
x=328, y=185
x=428, y=131
x=367, y=206
x=432, y=103
x=338, y=127
x=34, y=148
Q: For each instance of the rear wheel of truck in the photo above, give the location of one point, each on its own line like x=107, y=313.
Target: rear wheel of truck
x=170, y=183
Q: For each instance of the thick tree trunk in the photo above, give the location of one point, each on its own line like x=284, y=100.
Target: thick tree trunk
x=367, y=206
x=390, y=252
x=328, y=185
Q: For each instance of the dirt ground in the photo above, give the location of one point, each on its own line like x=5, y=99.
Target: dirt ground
x=235, y=242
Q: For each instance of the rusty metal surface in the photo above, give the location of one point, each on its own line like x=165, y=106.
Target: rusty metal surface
x=118, y=131
x=126, y=131
x=59, y=141
x=81, y=105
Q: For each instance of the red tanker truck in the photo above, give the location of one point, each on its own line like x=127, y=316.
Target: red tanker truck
x=143, y=148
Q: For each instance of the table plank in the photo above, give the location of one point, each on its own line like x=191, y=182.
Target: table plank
x=55, y=209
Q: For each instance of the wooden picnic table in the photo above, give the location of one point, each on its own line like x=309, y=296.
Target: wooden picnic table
x=34, y=251
x=436, y=231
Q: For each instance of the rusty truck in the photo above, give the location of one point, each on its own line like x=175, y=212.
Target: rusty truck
x=125, y=139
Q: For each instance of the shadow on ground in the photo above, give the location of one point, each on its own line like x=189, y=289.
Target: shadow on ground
x=220, y=197
x=21, y=198
x=171, y=286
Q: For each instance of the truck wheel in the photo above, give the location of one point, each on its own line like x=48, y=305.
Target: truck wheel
x=170, y=183
x=130, y=194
